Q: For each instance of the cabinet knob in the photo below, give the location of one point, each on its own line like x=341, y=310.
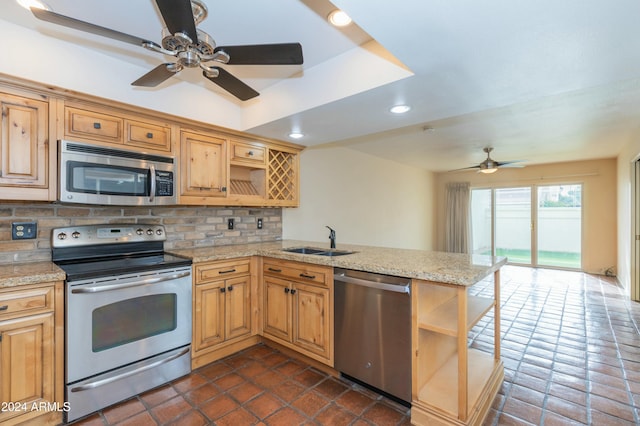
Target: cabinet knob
x=149, y=135
x=287, y=290
x=250, y=153
x=230, y=288
x=97, y=125
x=293, y=291
x=222, y=289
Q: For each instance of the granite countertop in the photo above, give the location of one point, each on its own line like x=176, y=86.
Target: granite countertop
x=19, y=274
x=452, y=268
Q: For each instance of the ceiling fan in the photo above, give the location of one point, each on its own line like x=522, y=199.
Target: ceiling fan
x=190, y=46
x=490, y=165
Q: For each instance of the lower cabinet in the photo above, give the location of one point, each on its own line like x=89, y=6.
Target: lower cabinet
x=221, y=306
x=30, y=364
x=298, y=307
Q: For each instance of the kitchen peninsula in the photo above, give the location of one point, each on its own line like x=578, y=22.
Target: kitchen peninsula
x=451, y=383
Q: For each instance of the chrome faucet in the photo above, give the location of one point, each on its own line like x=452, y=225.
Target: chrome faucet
x=332, y=237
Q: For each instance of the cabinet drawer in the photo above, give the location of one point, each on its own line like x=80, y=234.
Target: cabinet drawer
x=301, y=272
x=20, y=303
x=247, y=153
x=208, y=272
x=147, y=135
x=93, y=125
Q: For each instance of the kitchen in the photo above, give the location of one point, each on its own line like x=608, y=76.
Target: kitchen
x=328, y=173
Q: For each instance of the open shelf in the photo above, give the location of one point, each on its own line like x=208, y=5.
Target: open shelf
x=442, y=389
x=247, y=181
x=444, y=319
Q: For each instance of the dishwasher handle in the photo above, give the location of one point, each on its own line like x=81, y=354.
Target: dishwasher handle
x=374, y=284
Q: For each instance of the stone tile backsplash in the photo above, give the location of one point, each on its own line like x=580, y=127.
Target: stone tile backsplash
x=186, y=226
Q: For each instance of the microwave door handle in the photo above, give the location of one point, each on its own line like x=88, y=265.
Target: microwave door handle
x=152, y=190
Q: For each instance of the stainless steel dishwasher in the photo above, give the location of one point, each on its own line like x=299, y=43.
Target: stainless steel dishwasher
x=373, y=330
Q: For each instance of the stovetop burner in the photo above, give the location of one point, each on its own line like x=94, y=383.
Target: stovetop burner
x=93, y=251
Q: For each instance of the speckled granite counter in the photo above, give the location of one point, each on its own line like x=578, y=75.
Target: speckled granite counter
x=453, y=268
x=19, y=274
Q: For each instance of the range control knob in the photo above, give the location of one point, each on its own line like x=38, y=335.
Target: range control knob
x=62, y=236
x=149, y=231
x=139, y=231
x=158, y=231
x=75, y=235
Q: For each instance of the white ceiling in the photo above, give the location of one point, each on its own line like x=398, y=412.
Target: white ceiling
x=541, y=81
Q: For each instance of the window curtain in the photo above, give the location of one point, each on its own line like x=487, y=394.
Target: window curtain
x=458, y=223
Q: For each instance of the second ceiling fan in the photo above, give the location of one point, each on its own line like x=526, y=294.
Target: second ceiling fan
x=190, y=46
x=490, y=165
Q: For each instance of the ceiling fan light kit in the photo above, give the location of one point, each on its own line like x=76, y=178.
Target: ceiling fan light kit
x=190, y=46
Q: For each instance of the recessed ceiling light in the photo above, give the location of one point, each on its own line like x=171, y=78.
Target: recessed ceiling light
x=296, y=135
x=400, y=109
x=339, y=18
x=28, y=4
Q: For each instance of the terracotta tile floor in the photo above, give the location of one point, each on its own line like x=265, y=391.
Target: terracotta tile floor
x=570, y=346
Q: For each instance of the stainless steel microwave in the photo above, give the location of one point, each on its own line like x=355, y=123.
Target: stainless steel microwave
x=92, y=174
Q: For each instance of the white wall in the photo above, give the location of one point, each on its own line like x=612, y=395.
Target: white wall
x=366, y=199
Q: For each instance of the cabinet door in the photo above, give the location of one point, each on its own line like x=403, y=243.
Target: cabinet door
x=203, y=165
x=209, y=315
x=311, y=328
x=24, y=141
x=238, y=307
x=26, y=361
x=277, y=308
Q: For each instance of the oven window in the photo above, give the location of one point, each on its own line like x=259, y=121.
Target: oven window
x=133, y=319
x=107, y=179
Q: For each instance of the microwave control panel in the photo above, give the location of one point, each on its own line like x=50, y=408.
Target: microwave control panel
x=164, y=184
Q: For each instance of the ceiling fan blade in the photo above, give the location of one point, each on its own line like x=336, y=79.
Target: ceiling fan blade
x=56, y=18
x=464, y=168
x=232, y=84
x=178, y=17
x=264, y=54
x=156, y=75
x=509, y=163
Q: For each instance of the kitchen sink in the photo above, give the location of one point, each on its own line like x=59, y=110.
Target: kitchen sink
x=304, y=250
x=317, y=251
x=334, y=252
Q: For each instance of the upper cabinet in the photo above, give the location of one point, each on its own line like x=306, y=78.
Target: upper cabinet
x=94, y=124
x=203, y=168
x=215, y=166
x=27, y=160
x=231, y=170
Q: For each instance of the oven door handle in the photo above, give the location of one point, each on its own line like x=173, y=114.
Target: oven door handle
x=98, y=383
x=128, y=285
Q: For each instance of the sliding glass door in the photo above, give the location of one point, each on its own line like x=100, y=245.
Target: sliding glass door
x=513, y=224
x=560, y=226
x=531, y=225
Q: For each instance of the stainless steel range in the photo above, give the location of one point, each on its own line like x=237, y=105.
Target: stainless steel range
x=127, y=313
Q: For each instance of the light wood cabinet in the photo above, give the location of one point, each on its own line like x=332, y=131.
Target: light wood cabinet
x=27, y=161
x=222, y=305
x=283, y=178
x=30, y=357
x=298, y=307
x=452, y=383
x=94, y=124
x=203, y=168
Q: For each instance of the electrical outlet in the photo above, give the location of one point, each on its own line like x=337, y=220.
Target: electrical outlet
x=259, y=223
x=24, y=230
x=230, y=223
